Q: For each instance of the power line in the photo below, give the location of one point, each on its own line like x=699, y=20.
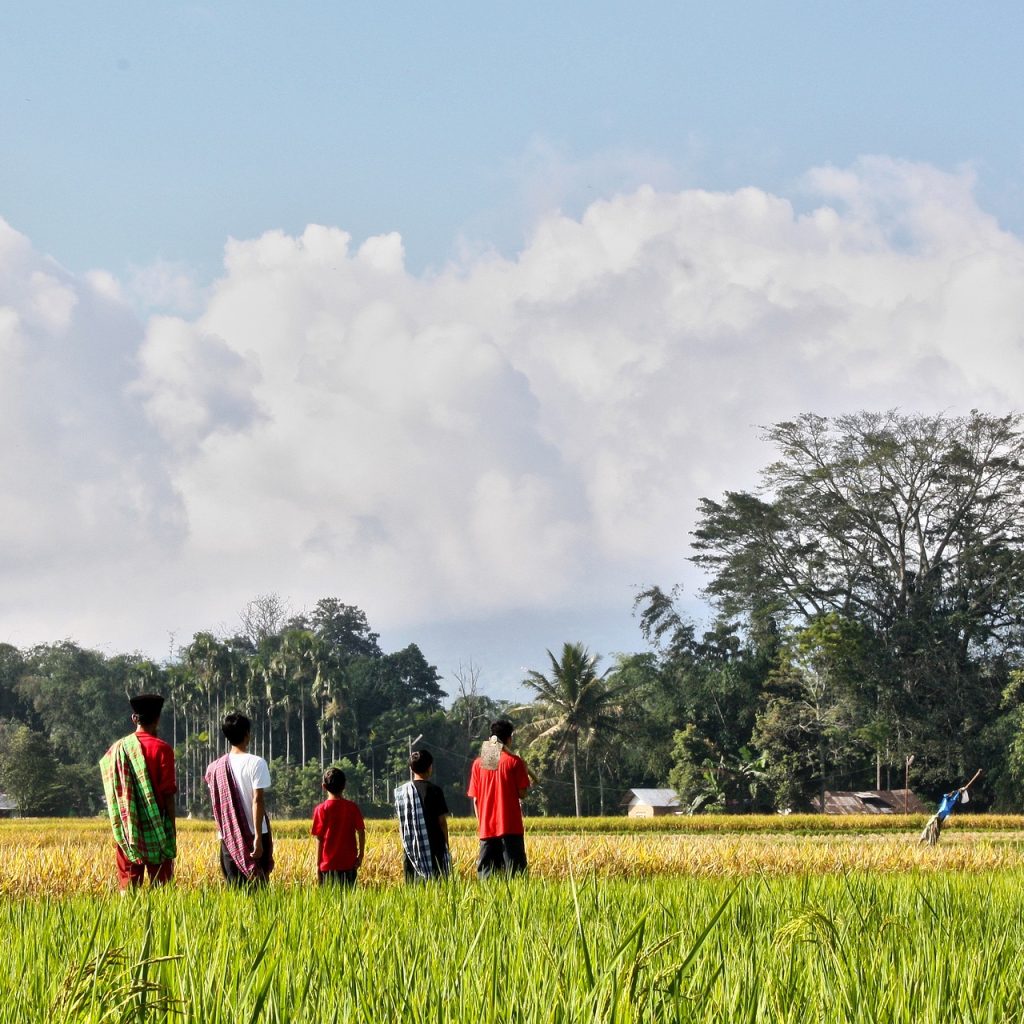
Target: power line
x=545, y=781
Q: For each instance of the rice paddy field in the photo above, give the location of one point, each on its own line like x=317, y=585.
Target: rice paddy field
x=713, y=919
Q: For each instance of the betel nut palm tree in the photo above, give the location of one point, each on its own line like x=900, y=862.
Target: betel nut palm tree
x=574, y=703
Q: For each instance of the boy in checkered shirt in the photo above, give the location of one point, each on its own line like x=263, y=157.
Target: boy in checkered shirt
x=423, y=822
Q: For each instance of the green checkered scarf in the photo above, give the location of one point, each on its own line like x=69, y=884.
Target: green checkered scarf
x=143, y=833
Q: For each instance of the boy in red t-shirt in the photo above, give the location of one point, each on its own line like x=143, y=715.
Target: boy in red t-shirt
x=340, y=833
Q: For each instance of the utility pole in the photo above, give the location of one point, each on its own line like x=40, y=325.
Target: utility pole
x=411, y=742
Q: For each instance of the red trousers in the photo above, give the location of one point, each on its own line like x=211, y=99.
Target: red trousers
x=130, y=873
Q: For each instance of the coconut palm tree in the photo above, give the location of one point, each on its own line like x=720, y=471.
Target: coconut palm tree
x=264, y=667
x=307, y=662
x=574, y=703
x=327, y=685
x=211, y=664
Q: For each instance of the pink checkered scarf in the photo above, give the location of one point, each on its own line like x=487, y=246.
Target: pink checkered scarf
x=228, y=812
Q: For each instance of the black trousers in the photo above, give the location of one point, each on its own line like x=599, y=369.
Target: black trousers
x=234, y=875
x=440, y=870
x=346, y=879
x=501, y=853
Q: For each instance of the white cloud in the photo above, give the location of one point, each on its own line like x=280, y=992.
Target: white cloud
x=193, y=383
x=527, y=433
x=83, y=494
x=167, y=287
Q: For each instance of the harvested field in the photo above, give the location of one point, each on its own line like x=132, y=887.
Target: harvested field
x=65, y=858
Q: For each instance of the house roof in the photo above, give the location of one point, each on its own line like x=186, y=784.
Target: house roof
x=872, y=801
x=652, y=797
x=7, y=803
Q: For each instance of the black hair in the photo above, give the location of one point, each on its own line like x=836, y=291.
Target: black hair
x=502, y=729
x=334, y=781
x=420, y=761
x=236, y=727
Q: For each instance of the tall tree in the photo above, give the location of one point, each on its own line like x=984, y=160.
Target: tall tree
x=214, y=666
x=79, y=697
x=12, y=667
x=265, y=615
x=574, y=703
x=28, y=771
x=812, y=725
x=471, y=708
x=913, y=526
x=345, y=628
x=703, y=701
x=306, y=659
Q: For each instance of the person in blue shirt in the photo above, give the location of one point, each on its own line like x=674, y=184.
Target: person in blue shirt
x=949, y=800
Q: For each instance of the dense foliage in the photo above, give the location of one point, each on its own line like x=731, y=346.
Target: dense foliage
x=873, y=597
x=869, y=603
x=319, y=691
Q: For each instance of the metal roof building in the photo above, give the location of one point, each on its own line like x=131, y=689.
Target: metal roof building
x=871, y=801
x=650, y=803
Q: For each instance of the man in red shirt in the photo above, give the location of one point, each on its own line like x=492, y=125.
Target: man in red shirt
x=496, y=792
x=143, y=848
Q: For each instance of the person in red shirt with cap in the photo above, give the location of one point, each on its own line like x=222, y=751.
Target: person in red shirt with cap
x=497, y=781
x=140, y=786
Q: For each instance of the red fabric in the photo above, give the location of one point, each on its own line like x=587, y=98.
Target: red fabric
x=159, y=757
x=335, y=824
x=497, y=796
x=131, y=874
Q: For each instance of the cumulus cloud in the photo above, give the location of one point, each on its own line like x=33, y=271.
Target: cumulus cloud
x=193, y=383
x=507, y=434
x=82, y=490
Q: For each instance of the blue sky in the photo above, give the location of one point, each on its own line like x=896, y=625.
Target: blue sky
x=565, y=259
x=141, y=131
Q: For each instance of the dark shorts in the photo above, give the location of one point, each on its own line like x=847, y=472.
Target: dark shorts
x=346, y=879
x=501, y=853
x=234, y=875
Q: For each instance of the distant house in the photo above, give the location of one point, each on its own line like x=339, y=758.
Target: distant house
x=8, y=808
x=871, y=801
x=650, y=803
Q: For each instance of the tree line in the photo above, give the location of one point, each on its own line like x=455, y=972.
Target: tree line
x=318, y=688
x=868, y=607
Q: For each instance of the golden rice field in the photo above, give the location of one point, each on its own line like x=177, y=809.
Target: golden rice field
x=65, y=857
x=711, y=920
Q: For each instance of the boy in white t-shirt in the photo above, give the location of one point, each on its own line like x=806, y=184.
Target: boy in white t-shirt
x=237, y=783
